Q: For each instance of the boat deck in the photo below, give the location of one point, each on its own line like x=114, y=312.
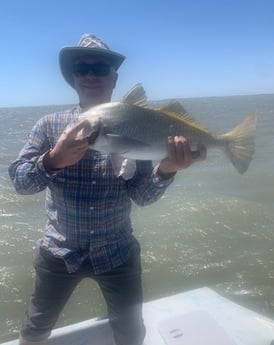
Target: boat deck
x=195, y=317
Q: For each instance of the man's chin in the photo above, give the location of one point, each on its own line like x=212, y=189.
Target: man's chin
x=93, y=91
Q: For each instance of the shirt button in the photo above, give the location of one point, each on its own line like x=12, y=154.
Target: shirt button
x=92, y=232
x=91, y=208
x=93, y=182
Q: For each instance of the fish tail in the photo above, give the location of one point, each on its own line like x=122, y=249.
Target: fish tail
x=240, y=143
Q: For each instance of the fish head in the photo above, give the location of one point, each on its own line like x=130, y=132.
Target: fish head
x=92, y=126
x=98, y=118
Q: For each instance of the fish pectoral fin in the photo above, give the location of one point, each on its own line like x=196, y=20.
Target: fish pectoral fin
x=136, y=96
x=124, y=144
x=122, y=167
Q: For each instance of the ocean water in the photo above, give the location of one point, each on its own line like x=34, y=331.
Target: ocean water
x=213, y=227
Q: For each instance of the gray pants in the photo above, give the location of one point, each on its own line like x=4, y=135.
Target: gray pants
x=53, y=286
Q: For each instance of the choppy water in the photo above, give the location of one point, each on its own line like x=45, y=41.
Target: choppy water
x=212, y=228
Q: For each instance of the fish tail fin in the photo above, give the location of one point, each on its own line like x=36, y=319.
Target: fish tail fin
x=240, y=143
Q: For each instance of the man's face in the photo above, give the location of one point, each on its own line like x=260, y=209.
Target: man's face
x=94, y=80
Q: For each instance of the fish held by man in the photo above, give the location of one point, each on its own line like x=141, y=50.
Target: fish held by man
x=131, y=130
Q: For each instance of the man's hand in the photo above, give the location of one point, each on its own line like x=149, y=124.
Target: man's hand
x=69, y=149
x=179, y=157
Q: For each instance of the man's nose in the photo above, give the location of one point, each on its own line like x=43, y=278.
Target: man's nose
x=90, y=75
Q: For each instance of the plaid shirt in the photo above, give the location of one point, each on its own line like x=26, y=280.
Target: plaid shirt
x=88, y=207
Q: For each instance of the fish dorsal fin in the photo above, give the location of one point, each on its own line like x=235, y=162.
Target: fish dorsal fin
x=175, y=110
x=186, y=119
x=173, y=106
x=136, y=96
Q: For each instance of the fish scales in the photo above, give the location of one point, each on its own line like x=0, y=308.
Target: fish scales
x=149, y=125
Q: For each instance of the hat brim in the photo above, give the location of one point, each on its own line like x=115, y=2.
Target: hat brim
x=68, y=55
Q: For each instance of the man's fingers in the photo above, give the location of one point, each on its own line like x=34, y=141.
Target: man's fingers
x=187, y=151
x=180, y=151
x=171, y=148
x=73, y=131
x=180, y=155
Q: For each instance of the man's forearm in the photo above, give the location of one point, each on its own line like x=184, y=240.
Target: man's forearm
x=29, y=176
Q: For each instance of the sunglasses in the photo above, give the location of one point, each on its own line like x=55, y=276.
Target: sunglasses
x=96, y=69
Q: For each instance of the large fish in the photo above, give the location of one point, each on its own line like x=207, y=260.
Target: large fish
x=130, y=130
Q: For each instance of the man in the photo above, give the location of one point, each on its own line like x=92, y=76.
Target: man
x=88, y=231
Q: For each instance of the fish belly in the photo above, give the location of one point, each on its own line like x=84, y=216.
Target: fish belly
x=130, y=148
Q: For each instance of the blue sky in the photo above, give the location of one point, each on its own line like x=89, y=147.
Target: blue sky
x=175, y=48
